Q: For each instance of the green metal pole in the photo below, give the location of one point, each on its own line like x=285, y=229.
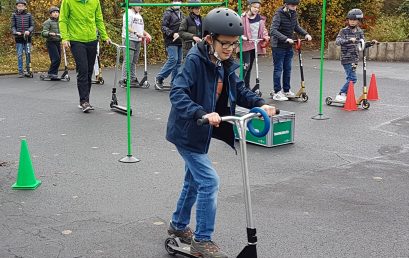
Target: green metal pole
x=241, y=44
x=320, y=115
x=129, y=158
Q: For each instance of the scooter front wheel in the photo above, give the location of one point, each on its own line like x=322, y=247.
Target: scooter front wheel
x=101, y=81
x=328, y=101
x=146, y=85
x=304, y=97
x=170, y=241
x=365, y=104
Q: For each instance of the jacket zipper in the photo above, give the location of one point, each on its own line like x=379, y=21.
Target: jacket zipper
x=213, y=108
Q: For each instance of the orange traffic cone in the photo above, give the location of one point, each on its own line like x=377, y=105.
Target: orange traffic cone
x=373, y=89
x=350, y=103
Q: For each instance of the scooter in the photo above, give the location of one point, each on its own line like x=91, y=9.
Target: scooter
x=256, y=88
x=64, y=75
x=29, y=73
x=114, y=101
x=301, y=94
x=144, y=82
x=173, y=244
x=98, y=70
x=363, y=99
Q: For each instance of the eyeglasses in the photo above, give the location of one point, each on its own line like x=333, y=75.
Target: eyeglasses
x=227, y=45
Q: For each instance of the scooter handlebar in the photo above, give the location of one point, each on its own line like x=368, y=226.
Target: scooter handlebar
x=254, y=112
x=121, y=46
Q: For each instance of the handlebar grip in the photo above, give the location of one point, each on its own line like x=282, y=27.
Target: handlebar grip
x=202, y=121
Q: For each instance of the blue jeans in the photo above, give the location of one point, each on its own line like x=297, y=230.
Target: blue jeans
x=350, y=76
x=173, y=63
x=20, y=48
x=201, y=185
x=282, y=59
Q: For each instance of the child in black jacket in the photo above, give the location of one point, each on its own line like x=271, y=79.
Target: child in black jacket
x=22, y=27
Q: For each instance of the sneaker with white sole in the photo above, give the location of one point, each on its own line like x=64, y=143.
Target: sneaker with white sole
x=289, y=94
x=86, y=107
x=206, y=249
x=342, y=97
x=279, y=96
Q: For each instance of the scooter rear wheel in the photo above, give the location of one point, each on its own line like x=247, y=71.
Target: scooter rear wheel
x=67, y=78
x=171, y=241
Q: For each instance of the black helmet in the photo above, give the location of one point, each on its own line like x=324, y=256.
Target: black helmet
x=21, y=2
x=54, y=9
x=250, y=2
x=193, y=2
x=355, y=14
x=223, y=21
x=294, y=2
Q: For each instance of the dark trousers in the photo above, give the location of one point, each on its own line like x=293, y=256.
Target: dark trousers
x=54, y=51
x=282, y=60
x=248, y=60
x=84, y=55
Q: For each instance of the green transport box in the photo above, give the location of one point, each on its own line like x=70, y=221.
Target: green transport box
x=281, y=129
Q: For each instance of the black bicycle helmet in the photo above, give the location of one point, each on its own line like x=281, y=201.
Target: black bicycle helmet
x=222, y=21
x=54, y=9
x=294, y=2
x=355, y=14
x=250, y=2
x=21, y=2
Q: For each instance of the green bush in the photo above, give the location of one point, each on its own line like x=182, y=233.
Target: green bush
x=391, y=28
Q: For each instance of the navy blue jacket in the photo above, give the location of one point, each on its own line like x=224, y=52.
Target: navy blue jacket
x=21, y=22
x=283, y=26
x=170, y=25
x=194, y=94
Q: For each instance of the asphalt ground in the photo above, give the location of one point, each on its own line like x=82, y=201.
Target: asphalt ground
x=339, y=191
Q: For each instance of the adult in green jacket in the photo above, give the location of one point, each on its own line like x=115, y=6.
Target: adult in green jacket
x=79, y=22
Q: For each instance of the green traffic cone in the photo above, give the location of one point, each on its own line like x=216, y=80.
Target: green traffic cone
x=26, y=179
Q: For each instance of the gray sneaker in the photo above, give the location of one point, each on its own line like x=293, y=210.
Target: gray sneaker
x=206, y=249
x=86, y=107
x=159, y=84
x=184, y=235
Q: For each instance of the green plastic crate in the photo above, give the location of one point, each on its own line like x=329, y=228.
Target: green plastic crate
x=281, y=129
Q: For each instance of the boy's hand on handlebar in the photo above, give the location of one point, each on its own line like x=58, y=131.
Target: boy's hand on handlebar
x=308, y=37
x=374, y=41
x=270, y=110
x=108, y=42
x=353, y=40
x=290, y=41
x=244, y=38
x=214, y=119
x=26, y=33
x=66, y=44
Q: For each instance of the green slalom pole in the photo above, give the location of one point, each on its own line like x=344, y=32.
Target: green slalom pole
x=320, y=115
x=129, y=158
x=241, y=44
